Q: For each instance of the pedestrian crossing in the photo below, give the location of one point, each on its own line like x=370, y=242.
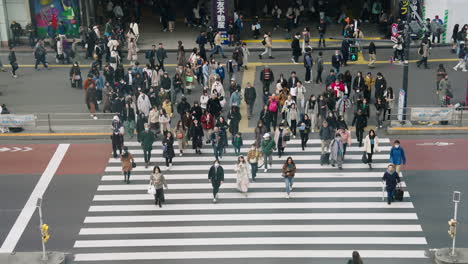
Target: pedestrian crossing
x=331, y=213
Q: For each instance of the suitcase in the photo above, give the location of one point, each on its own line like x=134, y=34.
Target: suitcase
x=399, y=193
x=325, y=159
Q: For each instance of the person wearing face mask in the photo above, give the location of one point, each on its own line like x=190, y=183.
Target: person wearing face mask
x=391, y=179
x=216, y=177
x=143, y=103
x=397, y=156
x=337, y=151
x=147, y=140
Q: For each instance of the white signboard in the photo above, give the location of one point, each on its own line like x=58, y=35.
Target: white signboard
x=433, y=114
x=17, y=120
x=401, y=102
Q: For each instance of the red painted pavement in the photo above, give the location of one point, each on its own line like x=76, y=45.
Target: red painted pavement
x=85, y=159
x=451, y=157
x=29, y=162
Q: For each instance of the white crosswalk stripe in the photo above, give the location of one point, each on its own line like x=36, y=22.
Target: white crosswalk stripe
x=342, y=209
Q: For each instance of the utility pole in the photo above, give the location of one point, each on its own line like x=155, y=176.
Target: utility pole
x=453, y=222
x=407, y=44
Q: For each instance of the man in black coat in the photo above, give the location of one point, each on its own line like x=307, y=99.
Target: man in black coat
x=216, y=177
x=214, y=106
x=336, y=62
x=360, y=122
x=296, y=48
x=249, y=96
x=391, y=179
x=380, y=86
x=345, y=51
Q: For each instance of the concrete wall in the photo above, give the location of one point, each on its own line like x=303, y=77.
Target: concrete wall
x=456, y=13
x=17, y=10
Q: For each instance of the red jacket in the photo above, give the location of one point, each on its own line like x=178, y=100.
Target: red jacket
x=337, y=87
x=207, y=124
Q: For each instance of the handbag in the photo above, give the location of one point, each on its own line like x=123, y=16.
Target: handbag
x=286, y=137
x=189, y=78
x=133, y=164
x=180, y=136
x=364, y=158
x=151, y=189
x=76, y=77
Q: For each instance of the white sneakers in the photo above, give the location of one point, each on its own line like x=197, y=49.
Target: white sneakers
x=288, y=196
x=265, y=170
x=214, y=200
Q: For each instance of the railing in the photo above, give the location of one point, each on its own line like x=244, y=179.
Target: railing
x=433, y=115
x=69, y=123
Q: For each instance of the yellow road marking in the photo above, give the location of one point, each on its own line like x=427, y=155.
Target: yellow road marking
x=247, y=76
x=290, y=40
x=428, y=128
x=361, y=59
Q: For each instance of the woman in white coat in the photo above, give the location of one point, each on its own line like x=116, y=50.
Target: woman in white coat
x=371, y=146
x=245, y=58
x=243, y=174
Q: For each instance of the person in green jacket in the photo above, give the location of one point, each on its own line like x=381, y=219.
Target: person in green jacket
x=147, y=140
x=268, y=145
x=237, y=143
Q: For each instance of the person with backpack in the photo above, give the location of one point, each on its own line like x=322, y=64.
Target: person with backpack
x=40, y=54
x=216, y=178
x=158, y=181
x=391, y=179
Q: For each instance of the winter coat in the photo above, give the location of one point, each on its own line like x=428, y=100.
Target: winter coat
x=132, y=52
x=158, y=180
x=207, y=121
x=250, y=95
x=196, y=134
x=147, y=140
x=289, y=172
x=144, y=104
x=216, y=175
x=367, y=145
x=336, y=149
x=397, y=156
x=127, y=162
x=326, y=133
x=268, y=146
x=259, y=132
x=391, y=180
x=280, y=133
x=359, y=121
x=296, y=47
x=168, y=148
x=243, y=175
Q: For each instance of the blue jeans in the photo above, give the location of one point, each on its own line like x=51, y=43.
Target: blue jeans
x=217, y=49
x=390, y=193
x=218, y=152
x=254, y=169
x=289, y=181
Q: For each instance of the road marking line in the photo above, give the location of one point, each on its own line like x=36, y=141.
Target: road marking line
x=249, y=217
x=246, y=254
x=257, y=185
x=25, y=216
x=237, y=195
x=248, y=228
x=247, y=77
x=52, y=134
x=234, y=158
x=251, y=241
x=299, y=175
x=245, y=206
x=251, y=141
